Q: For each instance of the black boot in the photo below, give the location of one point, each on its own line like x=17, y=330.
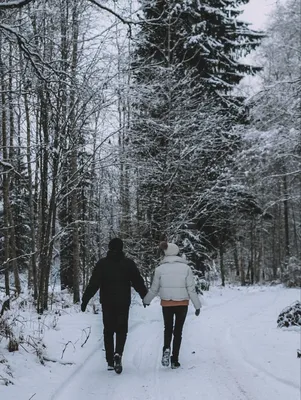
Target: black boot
x=117, y=363
x=175, y=363
x=111, y=366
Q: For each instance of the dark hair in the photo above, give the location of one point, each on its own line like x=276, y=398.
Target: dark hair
x=163, y=245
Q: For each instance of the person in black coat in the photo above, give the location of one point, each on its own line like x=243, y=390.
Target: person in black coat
x=114, y=275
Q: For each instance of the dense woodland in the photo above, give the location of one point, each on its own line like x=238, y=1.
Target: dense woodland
x=133, y=119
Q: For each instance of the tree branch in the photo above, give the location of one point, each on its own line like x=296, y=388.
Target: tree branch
x=96, y=3
x=14, y=4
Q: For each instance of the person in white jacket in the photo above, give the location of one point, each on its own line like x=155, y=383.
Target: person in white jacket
x=174, y=282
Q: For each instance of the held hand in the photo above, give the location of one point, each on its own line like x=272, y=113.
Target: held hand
x=197, y=312
x=83, y=307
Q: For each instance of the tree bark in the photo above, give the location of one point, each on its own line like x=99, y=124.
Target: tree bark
x=286, y=217
x=32, y=270
x=74, y=167
x=221, y=258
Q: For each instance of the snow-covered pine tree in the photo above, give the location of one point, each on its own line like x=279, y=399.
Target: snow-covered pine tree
x=182, y=138
x=206, y=36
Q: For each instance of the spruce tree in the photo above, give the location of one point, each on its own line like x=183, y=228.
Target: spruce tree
x=206, y=36
x=186, y=63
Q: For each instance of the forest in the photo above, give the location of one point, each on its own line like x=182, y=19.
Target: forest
x=134, y=119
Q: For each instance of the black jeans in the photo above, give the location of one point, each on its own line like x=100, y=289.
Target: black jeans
x=115, y=321
x=174, y=327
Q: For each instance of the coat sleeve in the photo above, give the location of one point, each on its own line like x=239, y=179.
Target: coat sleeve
x=93, y=285
x=190, y=286
x=154, y=289
x=137, y=280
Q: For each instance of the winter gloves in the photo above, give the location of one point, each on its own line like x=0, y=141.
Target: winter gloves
x=197, y=312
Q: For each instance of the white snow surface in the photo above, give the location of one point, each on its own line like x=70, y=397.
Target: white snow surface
x=232, y=351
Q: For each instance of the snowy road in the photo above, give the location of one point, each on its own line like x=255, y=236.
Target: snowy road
x=233, y=351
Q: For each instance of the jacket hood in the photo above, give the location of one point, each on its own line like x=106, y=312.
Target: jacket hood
x=173, y=259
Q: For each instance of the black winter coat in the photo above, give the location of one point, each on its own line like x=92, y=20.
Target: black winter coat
x=114, y=275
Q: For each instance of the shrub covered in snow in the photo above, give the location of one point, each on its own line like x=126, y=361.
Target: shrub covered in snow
x=201, y=284
x=291, y=277
x=22, y=329
x=290, y=316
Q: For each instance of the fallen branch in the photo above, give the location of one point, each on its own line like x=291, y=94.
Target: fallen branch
x=66, y=345
x=46, y=358
x=87, y=335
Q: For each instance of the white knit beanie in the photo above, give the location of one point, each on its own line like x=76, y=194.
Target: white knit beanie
x=170, y=249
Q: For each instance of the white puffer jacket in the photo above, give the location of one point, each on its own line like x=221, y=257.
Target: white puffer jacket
x=173, y=280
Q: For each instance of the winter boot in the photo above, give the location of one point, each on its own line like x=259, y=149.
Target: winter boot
x=117, y=363
x=165, y=357
x=110, y=366
x=175, y=363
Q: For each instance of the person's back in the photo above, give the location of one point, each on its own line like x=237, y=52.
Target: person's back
x=173, y=272
x=174, y=282
x=114, y=275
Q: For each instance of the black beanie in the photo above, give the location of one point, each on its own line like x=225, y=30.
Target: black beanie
x=116, y=244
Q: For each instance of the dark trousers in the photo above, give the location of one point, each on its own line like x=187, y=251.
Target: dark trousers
x=174, y=318
x=115, y=321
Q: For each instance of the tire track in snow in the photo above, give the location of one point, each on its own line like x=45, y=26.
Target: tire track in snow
x=217, y=371
x=255, y=366
x=77, y=371
x=154, y=381
x=146, y=365
x=237, y=353
x=112, y=390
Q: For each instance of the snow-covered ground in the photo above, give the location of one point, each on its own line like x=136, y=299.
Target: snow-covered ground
x=232, y=351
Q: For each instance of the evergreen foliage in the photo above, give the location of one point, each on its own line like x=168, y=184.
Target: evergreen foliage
x=183, y=137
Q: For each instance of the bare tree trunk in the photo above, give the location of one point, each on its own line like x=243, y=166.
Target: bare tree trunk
x=286, y=218
x=5, y=181
x=221, y=258
x=32, y=271
x=236, y=259
x=74, y=155
x=295, y=231
x=253, y=251
x=241, y=264
x=10, y=240
x=123, y=105
x=75, y=234
x=44, y=214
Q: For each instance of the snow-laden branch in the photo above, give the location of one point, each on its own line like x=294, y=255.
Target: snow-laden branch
x=109, y=10
x=8, y=167
x=14, y=4
x=20, y=3
x=34, y=58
